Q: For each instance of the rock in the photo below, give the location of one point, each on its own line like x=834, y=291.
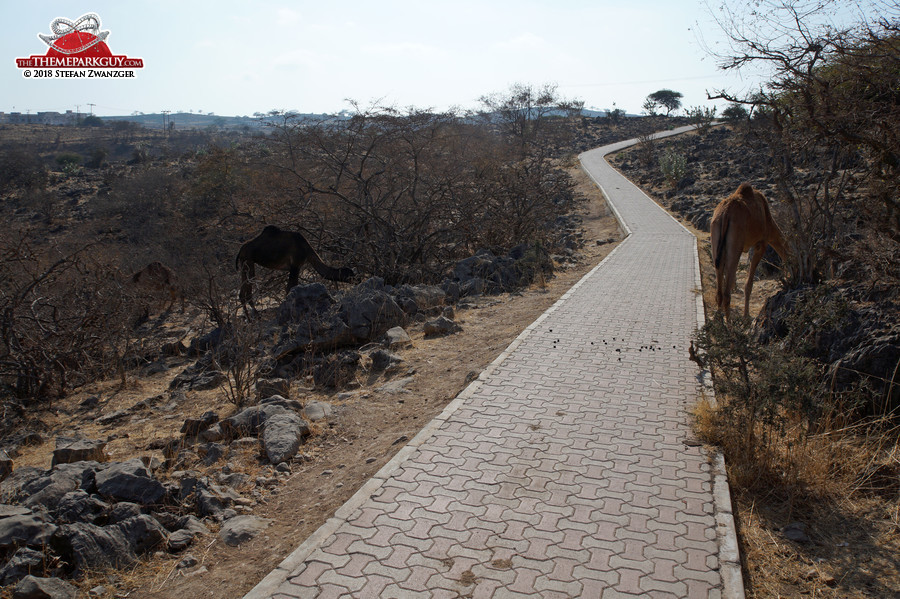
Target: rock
x=249, y=421
x=78, y=450
x=180, y=540
x=143, y=533
x=90, y=547
x=13, y=510
x=22, y=563
x=188, y=561
x=209, y=499
x=288, y=404
x=6, y=465
x=283, y=435
x=211, y=453
x=441, y=326
x=396, y=386
x=213, y=434
x=305, y=302
x=204, y=343
x=796, y=531
x=192, y=524
x=369, y=312
x=396, y=338
x=336, y=370
x=80, y=506
x=382, y=359
x=41, y=488
x=123, y=511
x=420, y=298
x=26, y=530
x=32, y=587
x=194, y=426
x=97, y=591
x=112, y=417
x=270, y=387
x=129, y=481
x=241, y=529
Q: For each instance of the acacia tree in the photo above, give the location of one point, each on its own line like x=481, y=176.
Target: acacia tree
x=664, y=98
x=832, y=104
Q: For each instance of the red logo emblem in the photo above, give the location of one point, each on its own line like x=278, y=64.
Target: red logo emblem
x=78, y=44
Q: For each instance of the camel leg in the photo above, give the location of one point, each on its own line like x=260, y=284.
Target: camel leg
x=293, y=278
x=729, y=267
x=758, y=251
x=246, y=293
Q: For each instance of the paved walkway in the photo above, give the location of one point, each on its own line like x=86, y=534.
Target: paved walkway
x=563, y=471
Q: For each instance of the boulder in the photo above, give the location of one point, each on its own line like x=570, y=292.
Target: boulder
x=129, y=481
x=180, y=540
x=32, y=587
x=90, y=547
x=441, y=326
x=241, y=529
x=305, y=303
x=123, y=511
x=47, y=488
x=6, y=465
x=383, y=359
x=209, y=499
x=420, y=298
x=78, y=450
x=336, y=370
x=7, y=510
x=249, y=421
x=22, y=563
x=317, y=410
x=194, y=426
x=27, y=530
x=282, y=436
x=143, y=533
x=396, y=338
x=80, y=506
x=369, y=311
x=269, y=387
x=288, y=404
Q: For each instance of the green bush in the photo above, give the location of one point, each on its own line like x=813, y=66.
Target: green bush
x=673, y=166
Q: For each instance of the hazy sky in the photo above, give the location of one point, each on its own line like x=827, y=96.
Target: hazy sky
x=237, y=58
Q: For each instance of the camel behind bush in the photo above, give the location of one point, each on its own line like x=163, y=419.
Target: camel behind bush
x=158, y=279
x=281, y=250
x=741, y=221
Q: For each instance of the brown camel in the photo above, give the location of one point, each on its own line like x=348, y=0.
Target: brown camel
x=740, y=222
x=157, y=278
x=281, y=250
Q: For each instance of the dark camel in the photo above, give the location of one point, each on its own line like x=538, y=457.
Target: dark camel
x=281, y=250
x=157, y=278
x=740, y=222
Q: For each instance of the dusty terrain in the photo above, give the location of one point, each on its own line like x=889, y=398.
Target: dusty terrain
x=369, y=426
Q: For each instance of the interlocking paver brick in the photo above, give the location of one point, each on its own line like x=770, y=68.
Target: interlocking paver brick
x=563, y=470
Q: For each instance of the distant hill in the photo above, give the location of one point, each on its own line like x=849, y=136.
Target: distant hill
x=187, y=120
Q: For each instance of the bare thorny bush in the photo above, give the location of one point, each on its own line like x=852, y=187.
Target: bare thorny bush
x=405, y=195
x=63, y=319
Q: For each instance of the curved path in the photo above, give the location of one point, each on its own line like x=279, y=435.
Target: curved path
x=567, y=469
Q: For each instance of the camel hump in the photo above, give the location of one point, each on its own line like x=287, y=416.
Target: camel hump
x=746, y=191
